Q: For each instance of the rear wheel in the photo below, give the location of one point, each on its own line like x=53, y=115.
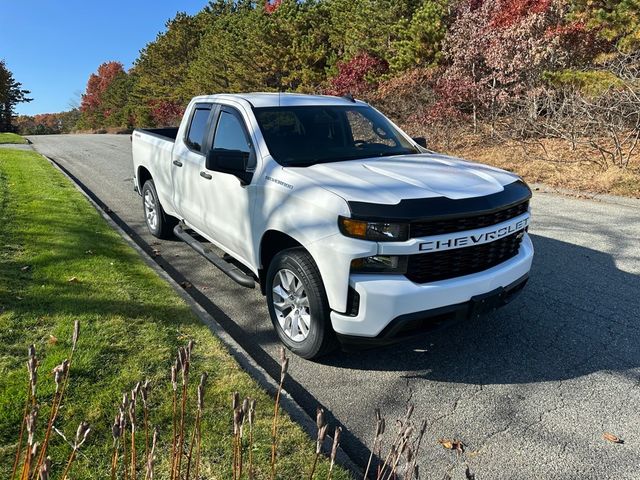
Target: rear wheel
x=298, y=304
x=160, y=224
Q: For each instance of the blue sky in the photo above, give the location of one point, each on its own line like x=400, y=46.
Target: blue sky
x=53, y=46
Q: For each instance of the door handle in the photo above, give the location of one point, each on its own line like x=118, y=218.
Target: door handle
x=205, y=175
x=177, y=163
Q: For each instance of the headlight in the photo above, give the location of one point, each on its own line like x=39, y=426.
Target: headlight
x=380, y=264
x=374, y=231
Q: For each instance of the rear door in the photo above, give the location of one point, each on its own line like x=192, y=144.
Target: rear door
x=188, y=161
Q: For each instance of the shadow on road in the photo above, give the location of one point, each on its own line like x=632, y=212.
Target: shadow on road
x=578, y=314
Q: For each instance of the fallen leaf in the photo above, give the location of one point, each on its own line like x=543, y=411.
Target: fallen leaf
x=73, y=280
x=185, y=285
x=468, y=474
x=25, y=268
x=107, y=209
x=155, y=252
x=612, y=438
x=52, y=340
x=452, y=444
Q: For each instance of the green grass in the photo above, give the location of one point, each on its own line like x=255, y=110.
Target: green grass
x=11, y=138
x=131, y=324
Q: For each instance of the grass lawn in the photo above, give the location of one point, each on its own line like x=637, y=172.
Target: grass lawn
x=11, y=138
x=131, y=325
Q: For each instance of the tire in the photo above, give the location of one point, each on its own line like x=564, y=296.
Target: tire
x=160, y=224
x=288, y=271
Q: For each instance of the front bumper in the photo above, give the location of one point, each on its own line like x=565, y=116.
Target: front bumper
x=392, y=305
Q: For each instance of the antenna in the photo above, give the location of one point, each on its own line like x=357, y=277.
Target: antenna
x=279, y=95
x=349, y=97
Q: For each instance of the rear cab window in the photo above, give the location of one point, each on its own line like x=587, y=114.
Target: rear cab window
x=197, y=130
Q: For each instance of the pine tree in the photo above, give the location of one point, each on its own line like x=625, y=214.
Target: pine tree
x=11, y=94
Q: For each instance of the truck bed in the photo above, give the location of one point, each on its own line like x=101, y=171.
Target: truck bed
x=167, y=133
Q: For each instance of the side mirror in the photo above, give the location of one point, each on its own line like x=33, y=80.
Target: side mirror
x=233, y=162
x=422, y=141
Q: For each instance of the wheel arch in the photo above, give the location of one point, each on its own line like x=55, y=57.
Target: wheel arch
x=272, y=243
x=142, y=175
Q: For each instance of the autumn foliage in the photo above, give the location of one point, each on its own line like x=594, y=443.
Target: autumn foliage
x=357, y=75
x=271, y=6
x=166, y=113
x=98, y=84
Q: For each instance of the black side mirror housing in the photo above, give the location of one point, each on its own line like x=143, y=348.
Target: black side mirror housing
x=422, y=141
x=233, y=162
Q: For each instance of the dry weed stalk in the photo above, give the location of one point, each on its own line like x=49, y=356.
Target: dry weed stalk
x=240, y=412
x=59, y=374
x=235, y=403
x=116, y=433
x=284, y=366
x=405, y=430
x=377, y=441
x=61, y=377
x=124, y=409
x=196, y=435
x=45, y=469
x=174, y=386
x=334, y=450
x=31, y=443
x=81, y=436
x=32, y=368
x=132, y=420
x=251, y=418
x=144, y=396
x=151, y=457
x=183, y=364
x=321, y=425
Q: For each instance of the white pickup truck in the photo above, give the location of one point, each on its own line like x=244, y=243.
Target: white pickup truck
x=353, y=230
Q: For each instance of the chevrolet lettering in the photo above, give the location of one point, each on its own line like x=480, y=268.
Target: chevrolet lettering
x=479, y=238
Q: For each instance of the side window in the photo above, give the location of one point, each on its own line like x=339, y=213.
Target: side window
x=230, y=134
x=195, y=137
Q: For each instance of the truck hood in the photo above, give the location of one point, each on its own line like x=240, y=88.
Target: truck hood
x=390, y=180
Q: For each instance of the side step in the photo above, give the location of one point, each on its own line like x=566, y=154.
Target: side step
x=227, y=268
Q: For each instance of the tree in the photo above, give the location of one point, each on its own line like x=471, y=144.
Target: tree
x=11, y=94
x=424, y=35
x=93, y=107
x=496, y=52
x=162, y=67
x=617, y=21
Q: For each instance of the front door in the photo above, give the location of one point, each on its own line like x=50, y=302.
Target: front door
x=229, y=203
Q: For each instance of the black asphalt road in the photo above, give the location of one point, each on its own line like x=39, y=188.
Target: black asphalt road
x=529, y=389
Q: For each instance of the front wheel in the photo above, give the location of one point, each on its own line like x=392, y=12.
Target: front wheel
x=298, y=304
x=160, y=224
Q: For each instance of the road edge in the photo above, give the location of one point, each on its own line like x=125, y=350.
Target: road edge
x=585, y=195
x=246, y=362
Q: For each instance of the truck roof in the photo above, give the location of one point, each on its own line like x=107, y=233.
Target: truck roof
x=275, y=99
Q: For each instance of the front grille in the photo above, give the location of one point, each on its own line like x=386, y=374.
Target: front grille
x=431, y=267
x=439, y=227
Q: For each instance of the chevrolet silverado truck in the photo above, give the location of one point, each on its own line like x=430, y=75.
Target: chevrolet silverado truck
x=353, y=230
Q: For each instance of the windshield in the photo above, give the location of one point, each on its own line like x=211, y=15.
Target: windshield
x=302, y=136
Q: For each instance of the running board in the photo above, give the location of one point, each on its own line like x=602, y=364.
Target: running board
x=227, y=268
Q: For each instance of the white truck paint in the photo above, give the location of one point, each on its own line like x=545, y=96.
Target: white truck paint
x=291, y=185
